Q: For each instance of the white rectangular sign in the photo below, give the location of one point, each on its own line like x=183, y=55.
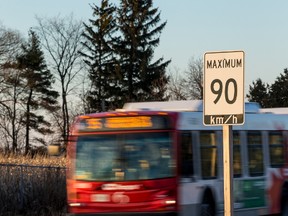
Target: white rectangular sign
x=224, y=88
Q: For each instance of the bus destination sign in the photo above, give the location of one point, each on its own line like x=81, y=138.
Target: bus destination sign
x=123, y=123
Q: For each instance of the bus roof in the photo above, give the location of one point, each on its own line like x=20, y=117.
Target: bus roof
x=181, y=105
x=279, y=110
x=191, y=117
x=190, y=114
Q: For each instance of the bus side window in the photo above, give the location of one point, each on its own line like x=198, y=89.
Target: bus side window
x=237, y=167
x=186, y=155
x=276, y=149
x=208, y=147
x=255, y=153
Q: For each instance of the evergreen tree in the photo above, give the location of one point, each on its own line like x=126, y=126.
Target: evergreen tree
x=279, y=91
x=99, y=37
x=259, y=92
x=37, y=81
x=141, y=79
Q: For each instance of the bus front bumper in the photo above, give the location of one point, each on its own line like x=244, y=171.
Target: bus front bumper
x=126, y=214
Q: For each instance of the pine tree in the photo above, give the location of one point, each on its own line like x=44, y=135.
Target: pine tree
x=259, y=92
x=37, y=82
x=99, y=37
x=141, y=79
x=279, y=91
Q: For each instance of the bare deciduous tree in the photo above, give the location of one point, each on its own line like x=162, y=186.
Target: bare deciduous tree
x=175, y=88
x=11, y=111
x=10, y=42
x=189, y=85
x=193, y=83
x=61, y=39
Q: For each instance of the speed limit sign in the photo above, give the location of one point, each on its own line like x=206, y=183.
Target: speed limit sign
x=224, y=88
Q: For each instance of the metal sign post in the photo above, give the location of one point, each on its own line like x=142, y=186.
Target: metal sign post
x=224, y=105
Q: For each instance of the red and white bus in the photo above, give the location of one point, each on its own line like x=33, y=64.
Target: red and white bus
x=158, y=158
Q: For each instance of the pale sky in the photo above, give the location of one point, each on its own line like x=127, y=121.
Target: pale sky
x=258, y=27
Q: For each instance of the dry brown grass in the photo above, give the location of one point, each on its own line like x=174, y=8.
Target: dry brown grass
x=32, y=186
x=36, y=160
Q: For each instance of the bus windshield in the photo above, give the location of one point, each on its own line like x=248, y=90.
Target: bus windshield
x=120, y=157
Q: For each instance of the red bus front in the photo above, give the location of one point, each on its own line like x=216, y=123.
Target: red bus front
x=124, y=164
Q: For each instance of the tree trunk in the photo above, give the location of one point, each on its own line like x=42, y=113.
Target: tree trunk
x=65, y=130
x=27, y=138
x=14, y=137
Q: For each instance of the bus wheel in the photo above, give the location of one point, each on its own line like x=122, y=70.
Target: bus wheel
x=207, y=207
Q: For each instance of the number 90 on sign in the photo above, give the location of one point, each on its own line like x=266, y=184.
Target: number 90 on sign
x=230, y=94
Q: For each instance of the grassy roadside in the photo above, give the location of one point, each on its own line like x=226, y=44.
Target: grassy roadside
x=32, y=186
